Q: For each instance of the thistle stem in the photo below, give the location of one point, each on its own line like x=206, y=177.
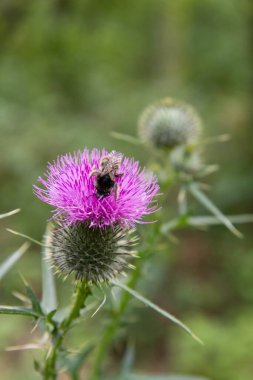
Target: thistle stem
x=113, y=324
x=81, y=294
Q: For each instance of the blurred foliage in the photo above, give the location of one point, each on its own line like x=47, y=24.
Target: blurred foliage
x=72, y=71
x=223, y=357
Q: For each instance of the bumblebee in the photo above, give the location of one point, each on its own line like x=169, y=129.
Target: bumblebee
x=106, y=174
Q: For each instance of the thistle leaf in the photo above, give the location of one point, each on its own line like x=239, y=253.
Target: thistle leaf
x=177, y=223
x=13, y=212
x=203, y=221
x=216, y=139
x=153, y=306
x=213, y=221
x=12, y=259
x=49, y=296
x=128, y=360
x=34, y=300
x=23, y=235
x=17, y=310
x=74, y=363
x=208, y=204
x=134, y=376
x=126, y=138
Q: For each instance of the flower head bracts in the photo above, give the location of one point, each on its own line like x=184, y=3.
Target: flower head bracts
x=93, y=254
x=70, y=188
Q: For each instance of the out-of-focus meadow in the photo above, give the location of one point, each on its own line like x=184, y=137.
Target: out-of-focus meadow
x=71, y=72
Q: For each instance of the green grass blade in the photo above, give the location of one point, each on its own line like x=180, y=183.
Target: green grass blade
x=49, y=297
x=24, y=236
x=13, y=212
x=153, y=306
x=208, y=204
x=12, y=259
x=16, y=310
x=126, y=138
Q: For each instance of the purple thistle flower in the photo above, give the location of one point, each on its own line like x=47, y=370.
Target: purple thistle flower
x=70, y=188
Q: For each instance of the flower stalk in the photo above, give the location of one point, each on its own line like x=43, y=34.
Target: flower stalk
x=113, y=324
x=117, y=314
x=81, y=294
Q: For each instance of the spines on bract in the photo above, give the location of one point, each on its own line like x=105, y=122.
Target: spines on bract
x=93, y=254
x=169, y=123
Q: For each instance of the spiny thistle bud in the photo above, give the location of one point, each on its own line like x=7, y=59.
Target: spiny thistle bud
x=93, y=254
x=169, y=123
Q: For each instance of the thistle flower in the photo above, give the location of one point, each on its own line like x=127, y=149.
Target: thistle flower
x=70, y=187
x=92, y=254
x=169, y=123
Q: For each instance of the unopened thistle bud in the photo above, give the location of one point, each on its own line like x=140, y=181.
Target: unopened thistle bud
x=94, y=255
x=169, y=123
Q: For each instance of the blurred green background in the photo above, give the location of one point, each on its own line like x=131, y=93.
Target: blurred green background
x=72, y=71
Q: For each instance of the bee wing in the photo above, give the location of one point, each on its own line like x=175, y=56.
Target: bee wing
x=116, y=159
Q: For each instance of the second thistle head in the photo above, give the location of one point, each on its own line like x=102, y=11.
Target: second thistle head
x=169, y=123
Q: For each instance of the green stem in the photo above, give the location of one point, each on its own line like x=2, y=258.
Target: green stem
x=115, y=318
x=113, y=324
x=50, y=370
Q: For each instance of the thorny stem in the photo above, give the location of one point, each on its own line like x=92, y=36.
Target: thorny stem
x=113, y=324
x=115, y=320
x=50, y=370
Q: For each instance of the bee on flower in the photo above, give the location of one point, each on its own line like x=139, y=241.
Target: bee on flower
x=98, y=198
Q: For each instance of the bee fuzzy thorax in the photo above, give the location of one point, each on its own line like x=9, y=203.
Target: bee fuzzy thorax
x=107, y=173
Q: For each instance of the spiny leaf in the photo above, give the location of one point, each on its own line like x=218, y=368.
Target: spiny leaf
x=208, y=204
x=37, y=366
x=220, y=139
x=13, y=212
x=25, y=236
x=12, y=259
x=175, y=224
x=207, y=220
x=153, y=306
x=128, y=360
x=34, y=299
x=75, y=362
x=17, y=310
x=134, y=376
x=127, y=138
x=49, y=297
